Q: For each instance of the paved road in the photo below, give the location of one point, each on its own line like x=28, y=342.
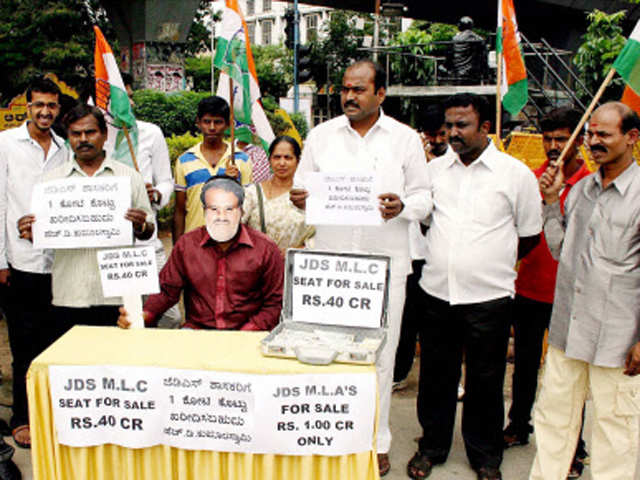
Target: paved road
x=404, y=427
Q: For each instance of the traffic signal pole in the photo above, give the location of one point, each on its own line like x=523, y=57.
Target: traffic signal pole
x=296, y=42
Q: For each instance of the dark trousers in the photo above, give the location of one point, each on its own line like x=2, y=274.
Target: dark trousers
x=97, y=316
x=481, y=330
x=530, y=320
x=27, y=305
x=411, y=316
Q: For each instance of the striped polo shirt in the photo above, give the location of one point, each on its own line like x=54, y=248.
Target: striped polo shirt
x=192, y=170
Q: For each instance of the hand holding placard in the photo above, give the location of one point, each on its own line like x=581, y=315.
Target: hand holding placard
x=129, y=273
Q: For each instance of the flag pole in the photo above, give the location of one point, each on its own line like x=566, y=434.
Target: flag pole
x=232, y=121
x=130, y=143
x=499, y=102
x=499, y=66
x=560, y=162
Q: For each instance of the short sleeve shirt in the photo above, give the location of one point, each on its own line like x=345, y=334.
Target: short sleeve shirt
x=479, y=211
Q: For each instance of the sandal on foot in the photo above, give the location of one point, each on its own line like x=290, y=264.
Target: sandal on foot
x=419, y=466
x=16, y=432
x=576, y=469
x=383, y=464
x=488, y=473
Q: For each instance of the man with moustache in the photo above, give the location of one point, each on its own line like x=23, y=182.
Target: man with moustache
x=434, y=139
x=486, y=214
x=208, y=158
x=26, y=154
x=535, y=285
x=365, y=139
x=232, y=275
x=76, y=285
x=594, y=335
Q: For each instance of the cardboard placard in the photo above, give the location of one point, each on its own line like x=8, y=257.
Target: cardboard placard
x=342, y=198
x=79, y=212
x=139, y=407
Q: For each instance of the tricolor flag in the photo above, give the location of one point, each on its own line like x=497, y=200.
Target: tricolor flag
x=112, y=98
x=514, y=74
x=628, y=67
x=234, y=59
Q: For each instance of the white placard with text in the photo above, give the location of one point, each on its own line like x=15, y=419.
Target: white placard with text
x=342, y=198
x=79, y=212
x=343, y=290
x=128, y=271
x=139, y=407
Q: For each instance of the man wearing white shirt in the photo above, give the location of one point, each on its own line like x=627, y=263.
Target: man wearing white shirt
x=364, y=139
x=26, y=154
x=152, y=157
x=486, y=214
x=434, y=138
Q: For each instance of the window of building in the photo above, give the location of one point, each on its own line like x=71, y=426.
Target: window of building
x=312, y=27
x=251, y=30
x=266, y=26
x=251, y=7
x=266, y=5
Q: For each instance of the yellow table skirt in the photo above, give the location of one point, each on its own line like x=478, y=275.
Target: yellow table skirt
x=187, y=349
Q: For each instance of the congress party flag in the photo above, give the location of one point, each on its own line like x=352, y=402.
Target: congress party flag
x=628, y=67
x=234, y=59
x=513, y=90
x=112, y=98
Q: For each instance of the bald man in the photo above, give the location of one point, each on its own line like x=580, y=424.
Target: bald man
x=595, y=324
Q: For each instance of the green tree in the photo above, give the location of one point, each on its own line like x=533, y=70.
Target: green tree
x=600, y=46
x=409, y=65
x=199, y=37
x=39, y=36
x=199, y=68
x=337, y=47
x=274, y=67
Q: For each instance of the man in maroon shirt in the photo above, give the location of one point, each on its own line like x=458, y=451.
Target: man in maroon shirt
x=535, y=286
x=231, y=274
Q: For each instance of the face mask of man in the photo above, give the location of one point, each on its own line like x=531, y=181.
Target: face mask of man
x=222, y=215
x=222, y=229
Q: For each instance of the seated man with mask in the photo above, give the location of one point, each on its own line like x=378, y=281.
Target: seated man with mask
x=231, y=274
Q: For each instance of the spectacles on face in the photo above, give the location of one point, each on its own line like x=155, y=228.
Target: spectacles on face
x=41, y=105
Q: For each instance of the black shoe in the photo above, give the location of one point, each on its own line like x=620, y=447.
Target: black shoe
x=576, y=469
x=488, y=473
x=9, y=471
x=513, y=436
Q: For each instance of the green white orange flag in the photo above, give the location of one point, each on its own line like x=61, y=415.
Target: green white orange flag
x=513, y=89
x=234, y=59
x=628, y=67
x=112, y=98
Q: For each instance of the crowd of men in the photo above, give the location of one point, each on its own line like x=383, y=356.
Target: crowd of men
x=458, y=214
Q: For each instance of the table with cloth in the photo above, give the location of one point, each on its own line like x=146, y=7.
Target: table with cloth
x=224, y=351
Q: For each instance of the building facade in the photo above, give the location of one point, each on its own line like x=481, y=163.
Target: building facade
x=266, y=23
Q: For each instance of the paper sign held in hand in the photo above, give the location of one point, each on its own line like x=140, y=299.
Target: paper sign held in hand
x=128, y=271
x=78, y=212
x=342, y=198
